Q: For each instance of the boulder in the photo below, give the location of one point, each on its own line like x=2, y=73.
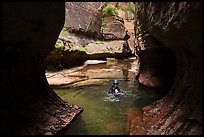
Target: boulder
x=95, y=50
x=77, y=41
x=59, y=59
x=111, y=47
x=113, y=28
x=84, y=17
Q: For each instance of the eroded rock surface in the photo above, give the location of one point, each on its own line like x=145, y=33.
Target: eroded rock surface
x=114, y=29
x=29, y=104
x=111, y=47
x=174, y=27
x=82, y=39
x=84, y=17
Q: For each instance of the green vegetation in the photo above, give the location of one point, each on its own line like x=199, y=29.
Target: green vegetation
x=64, y=32
x=66, y=48
x=104, y=23
x=99, y=42
x=130, y=7
x=110, y=10
x=118, y=6
x=82, y=48
x=59, y=45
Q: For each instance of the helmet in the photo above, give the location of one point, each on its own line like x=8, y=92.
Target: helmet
x=115, y=81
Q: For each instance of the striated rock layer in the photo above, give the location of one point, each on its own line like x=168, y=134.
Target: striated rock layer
x=29, y=104
x=165, y=31
x=95, y=50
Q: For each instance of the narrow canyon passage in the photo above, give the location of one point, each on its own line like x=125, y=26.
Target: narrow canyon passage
x=103, y=114
x=159, y=68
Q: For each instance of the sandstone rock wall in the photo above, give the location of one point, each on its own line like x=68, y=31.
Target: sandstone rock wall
x=114, y=28
x=175, y=27
x=28, y=104
x=84, y=17
x=85, y=39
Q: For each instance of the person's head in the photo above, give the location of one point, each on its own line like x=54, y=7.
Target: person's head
x=115, y=83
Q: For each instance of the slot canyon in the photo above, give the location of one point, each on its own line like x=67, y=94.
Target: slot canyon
x=164, y=44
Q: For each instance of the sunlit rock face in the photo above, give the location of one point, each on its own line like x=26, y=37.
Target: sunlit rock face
x=85, y=38
x=84, y=17
x=169, y=46
x=28, y=104
x=114, y=28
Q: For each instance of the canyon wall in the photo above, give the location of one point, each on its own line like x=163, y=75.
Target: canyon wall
x=169, y=45
x=28, y=104
x=85, y=37
x=84, y=17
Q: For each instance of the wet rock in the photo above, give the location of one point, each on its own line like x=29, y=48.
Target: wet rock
x=57, y=78
x=111, y=61
x=149, y=80
x=77, y=107
x=89, y=82
x=104, y=73
x=88, y=62
x=48, y=133
x=134, y=119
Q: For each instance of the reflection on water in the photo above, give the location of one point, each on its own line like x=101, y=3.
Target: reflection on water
x=103, y=114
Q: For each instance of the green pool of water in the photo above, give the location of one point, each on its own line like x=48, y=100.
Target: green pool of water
x=101, y=115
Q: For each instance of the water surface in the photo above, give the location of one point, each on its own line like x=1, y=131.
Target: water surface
x=102, y=114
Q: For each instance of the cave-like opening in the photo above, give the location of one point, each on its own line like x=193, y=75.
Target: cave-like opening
x=30, y=31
